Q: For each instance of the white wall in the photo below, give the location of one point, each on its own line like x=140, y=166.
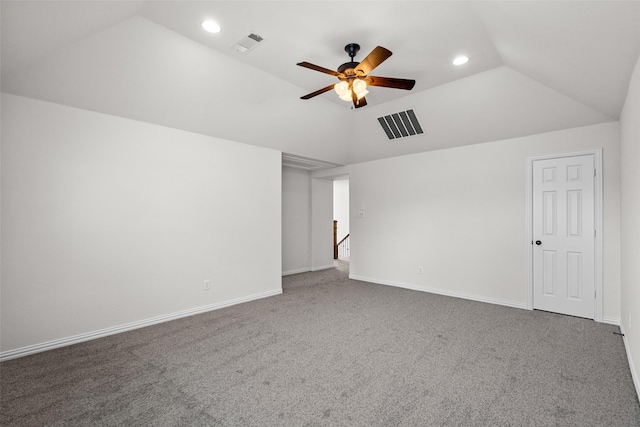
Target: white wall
x=460, y=214
x=296, y=221
x=341, y=206
x=630, y=223
x=307, y=221
x=321, y=223
x=108, y=221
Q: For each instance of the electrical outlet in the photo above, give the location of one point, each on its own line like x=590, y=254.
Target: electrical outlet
x=207, y=285
x=420, y=270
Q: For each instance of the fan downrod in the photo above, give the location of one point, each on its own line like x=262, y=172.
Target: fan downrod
x=352, y=49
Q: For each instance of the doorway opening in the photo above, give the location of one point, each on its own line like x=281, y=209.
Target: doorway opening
x=341, y=236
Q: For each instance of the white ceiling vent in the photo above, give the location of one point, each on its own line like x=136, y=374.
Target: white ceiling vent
x=248, y=42
x=400, y=125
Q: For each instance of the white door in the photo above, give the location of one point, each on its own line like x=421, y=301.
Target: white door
x=564, y=235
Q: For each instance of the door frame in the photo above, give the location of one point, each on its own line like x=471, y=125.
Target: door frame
x=598, y=202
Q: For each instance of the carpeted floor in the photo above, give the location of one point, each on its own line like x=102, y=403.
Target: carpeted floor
x=335, y=352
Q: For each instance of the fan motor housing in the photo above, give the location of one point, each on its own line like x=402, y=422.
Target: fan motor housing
x=346, y=66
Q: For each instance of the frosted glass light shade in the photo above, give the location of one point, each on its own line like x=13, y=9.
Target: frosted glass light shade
x=341, y=88
x=359, y=86
x=361, y=94
x=346, y=96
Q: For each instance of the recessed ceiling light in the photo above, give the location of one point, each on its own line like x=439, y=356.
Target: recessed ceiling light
x=459, y=60
x=211, y=26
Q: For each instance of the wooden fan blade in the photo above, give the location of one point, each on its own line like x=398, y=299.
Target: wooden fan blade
x=318, y=92
x=319, y=68
x=375, y=58
x=390, y=82
x=358, y=102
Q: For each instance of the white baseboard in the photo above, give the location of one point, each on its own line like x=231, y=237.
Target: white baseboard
x=306, y=270
x=299, y=270
x=440, y=292
x=611, y=320
x=322, y=267
x=50, y=345
x=632, y=368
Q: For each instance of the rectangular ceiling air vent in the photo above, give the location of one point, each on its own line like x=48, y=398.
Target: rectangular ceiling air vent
x=248, y=42
x=400, y=125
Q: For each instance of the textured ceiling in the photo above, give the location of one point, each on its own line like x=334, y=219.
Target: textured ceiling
x=534, y=67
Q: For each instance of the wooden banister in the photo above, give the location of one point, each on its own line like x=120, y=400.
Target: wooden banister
x=335, y=239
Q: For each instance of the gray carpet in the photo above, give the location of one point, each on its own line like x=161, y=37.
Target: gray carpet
x=334, y=352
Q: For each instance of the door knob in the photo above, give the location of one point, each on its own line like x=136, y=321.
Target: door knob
x=538, y=242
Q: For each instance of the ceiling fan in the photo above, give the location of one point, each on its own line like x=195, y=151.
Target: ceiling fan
x=354, y=76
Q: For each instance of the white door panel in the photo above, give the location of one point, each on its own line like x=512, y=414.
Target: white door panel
x=563, y=233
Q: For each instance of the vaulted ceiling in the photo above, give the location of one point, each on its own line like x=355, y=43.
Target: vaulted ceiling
x=535, y=66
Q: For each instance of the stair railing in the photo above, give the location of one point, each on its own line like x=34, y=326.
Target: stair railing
x=343, y=247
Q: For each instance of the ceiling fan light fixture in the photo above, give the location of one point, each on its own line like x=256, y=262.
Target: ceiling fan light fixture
x=355, y=76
